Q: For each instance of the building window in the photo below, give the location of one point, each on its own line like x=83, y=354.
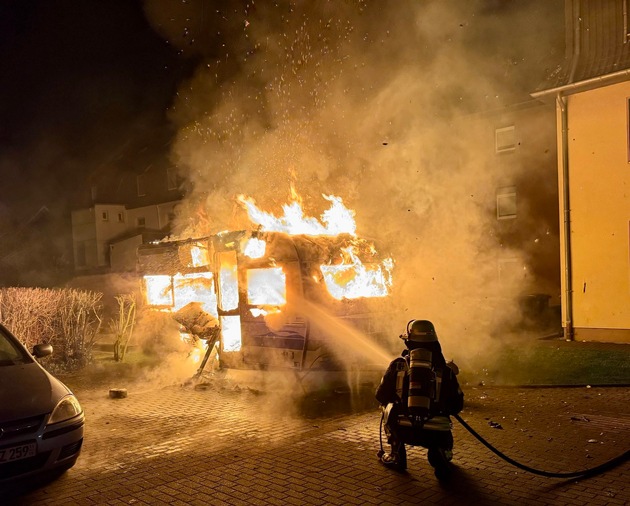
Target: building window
x=140, y=222
x=142, y=191
x=105, y=215
x=506, y=203
x=505, y=139
x=171, y=178
x=121, y=217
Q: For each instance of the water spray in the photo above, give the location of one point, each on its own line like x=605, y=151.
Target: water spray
x=345, y=333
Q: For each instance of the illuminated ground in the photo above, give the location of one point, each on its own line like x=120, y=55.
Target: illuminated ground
x=225, y=445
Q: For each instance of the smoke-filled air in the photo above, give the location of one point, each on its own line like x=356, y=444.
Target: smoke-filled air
x=364, y=100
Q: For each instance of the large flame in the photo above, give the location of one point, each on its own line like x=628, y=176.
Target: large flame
x=266, y=287
x=337, y=219
x=173, y=293
x=350, y=279
x=254, y=248
x=353, y=268
x=159, y=290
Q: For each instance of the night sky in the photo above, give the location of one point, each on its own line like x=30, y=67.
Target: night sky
x=87, y=83
x=88, y=86
x=83, y=84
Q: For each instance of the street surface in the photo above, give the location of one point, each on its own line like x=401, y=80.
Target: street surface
x=216, y=443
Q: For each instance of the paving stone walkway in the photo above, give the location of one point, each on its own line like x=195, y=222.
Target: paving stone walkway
x=212, y=444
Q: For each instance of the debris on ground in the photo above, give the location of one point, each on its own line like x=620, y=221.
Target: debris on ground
x=117, y=393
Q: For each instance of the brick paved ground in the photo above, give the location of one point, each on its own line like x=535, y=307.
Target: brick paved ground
x=181, y=445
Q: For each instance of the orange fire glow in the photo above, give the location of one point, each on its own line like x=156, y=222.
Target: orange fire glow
x=195, y=287
x=352, y=269
x=351, y=279
x=175, y=292
x=254, y=248
x=266, y=287
x=334, y=221
x=159, y=290
x=199, y=256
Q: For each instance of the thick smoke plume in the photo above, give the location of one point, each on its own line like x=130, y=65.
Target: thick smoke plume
x=364, y=100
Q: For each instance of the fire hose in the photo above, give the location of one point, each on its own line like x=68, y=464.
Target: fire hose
x=584, y=473
x=575, y=474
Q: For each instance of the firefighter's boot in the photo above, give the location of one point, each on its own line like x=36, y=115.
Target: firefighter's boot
x=396, y=458
x=439, y=458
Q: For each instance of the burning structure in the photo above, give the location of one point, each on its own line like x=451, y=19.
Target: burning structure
x=285, y=296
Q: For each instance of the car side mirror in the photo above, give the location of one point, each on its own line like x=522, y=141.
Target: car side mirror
x=42, y=350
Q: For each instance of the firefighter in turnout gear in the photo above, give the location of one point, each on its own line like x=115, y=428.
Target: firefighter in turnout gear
x=417, y=394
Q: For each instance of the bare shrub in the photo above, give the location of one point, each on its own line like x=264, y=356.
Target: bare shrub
x=122, y=325
x=80, y=321
x=68, y=319
x=29, y=314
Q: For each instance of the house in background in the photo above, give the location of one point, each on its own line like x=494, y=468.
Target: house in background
x=522, y=168
x=515, y=158
x=126, y=209
x=106, y=236
x=591, y=93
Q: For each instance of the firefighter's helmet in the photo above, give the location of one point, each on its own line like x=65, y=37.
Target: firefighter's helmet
x=421, y=331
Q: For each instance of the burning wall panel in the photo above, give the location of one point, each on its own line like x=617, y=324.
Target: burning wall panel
x=266, y=287
x=159, y=290
x=195, y=287
x=266, y=282
x=228, y=281
x=231, y=333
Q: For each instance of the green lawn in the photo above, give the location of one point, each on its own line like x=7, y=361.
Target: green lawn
x=528, y=363
x=556, y=363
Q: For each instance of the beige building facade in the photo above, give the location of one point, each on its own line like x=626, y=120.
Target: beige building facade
x=594, y=159
x=106, y=236
x=591, y=92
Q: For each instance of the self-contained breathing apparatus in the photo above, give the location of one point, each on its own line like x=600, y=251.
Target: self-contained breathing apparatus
x=418, y=381
x=418, y=392
x=424, y=384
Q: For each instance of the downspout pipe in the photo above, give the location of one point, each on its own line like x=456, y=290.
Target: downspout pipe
x=576, y=39
x=566, y=212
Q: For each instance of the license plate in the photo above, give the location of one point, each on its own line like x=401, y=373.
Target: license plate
x=18, y=452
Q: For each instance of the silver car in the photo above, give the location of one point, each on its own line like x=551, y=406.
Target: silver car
x=41, y=421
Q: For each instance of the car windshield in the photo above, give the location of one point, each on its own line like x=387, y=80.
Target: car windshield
x=11, y=352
